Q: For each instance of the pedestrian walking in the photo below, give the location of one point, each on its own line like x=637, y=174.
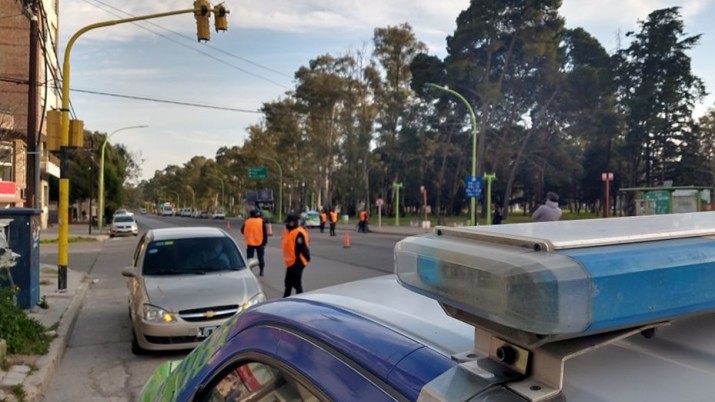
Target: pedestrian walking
x=363, y=222
x=256, y=237
x=296, y=254
x=549, y=211
x=323, y=219
x=333, y=221
x=497, y=217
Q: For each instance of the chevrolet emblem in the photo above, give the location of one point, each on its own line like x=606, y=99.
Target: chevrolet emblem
x=209, y=314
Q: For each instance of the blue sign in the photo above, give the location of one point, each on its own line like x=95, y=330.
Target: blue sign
x=474, y=187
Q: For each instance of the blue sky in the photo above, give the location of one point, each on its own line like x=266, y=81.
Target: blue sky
x=254, y=61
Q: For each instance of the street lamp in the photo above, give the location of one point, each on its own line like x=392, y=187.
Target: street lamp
x=193, y=196
x=100, y=213
x=472, y=201
x=222, y=190
x=178, y=199
x=280, y=187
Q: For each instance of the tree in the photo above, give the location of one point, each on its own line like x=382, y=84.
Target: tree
x=658, y=92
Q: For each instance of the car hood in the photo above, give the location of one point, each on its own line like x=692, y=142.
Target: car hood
x=185, y=292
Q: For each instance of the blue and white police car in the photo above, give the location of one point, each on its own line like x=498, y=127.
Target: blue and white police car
x=618, y=309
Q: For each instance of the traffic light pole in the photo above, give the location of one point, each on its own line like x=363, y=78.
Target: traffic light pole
x=62, y=243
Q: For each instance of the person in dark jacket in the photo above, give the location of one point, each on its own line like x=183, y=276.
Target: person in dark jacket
x=296, y=254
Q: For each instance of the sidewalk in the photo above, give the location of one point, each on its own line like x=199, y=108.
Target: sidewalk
x=33, y=374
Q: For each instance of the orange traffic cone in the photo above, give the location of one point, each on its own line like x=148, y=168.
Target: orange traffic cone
x=346, y=244
x=269, y=227
x=228, y=225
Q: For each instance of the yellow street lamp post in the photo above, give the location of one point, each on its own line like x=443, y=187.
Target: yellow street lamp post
x=201, y=10
x=100, y=212
x=472, y=201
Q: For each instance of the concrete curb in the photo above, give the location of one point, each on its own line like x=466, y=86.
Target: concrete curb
x=37, y=383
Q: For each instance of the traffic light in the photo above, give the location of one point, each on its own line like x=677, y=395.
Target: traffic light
x=220, y=19
x=53, y=130
x=76, y=137
x=202, y=10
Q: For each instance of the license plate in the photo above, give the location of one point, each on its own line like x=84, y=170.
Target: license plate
x=206, y=331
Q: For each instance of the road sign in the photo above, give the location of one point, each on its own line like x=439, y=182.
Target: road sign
x=260, y=172
x=474, y=187
x=379, y=202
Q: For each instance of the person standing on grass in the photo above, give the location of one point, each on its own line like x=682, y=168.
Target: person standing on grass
x=549, y=211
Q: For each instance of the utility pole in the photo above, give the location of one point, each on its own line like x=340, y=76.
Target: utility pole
x=32, y=156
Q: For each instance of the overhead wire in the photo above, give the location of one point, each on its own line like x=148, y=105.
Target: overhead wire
x=158, y=100
x=57, y=77
x=205, y=44
x=224, y=62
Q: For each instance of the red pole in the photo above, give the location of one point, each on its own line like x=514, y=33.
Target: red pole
x=608, y=200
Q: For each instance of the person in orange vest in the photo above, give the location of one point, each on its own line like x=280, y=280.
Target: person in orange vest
x=296, y=254
x=333, y=221
x=323, y=219
x=362, y=225
x=254, y=233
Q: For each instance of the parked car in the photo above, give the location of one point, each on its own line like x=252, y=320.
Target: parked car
x=142, y=211
x=186, y=212
x=203, y=215
x=183, y=284
x=218, y=214
x=167, y=211
x=619, y=309
x=123, y=224
x=310, y=219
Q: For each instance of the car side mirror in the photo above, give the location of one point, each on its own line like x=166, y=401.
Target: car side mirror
x=129, y=272
x=252, y=263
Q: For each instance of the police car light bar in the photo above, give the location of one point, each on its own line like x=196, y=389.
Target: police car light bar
x=568, y=278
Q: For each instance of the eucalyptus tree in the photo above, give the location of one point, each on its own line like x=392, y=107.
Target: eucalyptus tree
x=658, y=92
x=395, y=47
x=504, y=58
x=320, y=95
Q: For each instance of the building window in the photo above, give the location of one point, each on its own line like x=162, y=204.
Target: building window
x=6, y=159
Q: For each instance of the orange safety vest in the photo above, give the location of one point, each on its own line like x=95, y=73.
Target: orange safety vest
x=253, y=232
x=363, y=216
x=323, y=217
x=333, y=217
x=289, y=237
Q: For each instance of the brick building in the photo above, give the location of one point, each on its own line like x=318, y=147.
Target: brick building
x=14, y=85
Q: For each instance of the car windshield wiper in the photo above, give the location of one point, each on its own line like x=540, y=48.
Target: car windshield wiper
x=159, y=273
x=195, y=272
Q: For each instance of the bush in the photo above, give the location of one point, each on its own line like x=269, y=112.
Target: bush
x=24, y=335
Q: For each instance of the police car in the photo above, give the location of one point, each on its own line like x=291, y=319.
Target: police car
x=616, y=309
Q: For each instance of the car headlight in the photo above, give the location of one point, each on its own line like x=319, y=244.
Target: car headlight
x=252, y=302
x=156, y=314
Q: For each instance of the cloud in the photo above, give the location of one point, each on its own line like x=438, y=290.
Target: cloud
x=624, y=12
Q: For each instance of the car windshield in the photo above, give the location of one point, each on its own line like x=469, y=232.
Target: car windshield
x=192, y=256
x=123, y=218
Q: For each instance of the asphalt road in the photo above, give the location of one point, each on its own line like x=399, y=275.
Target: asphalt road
x=99, y=365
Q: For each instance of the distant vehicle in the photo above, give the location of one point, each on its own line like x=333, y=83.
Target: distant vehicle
x=123, y=224
x=218, y=214
x=186, y=212
x=311, y=219
x=183, y=284
x=167, y=210
x=557, y=311
x=142, y=211
x=203, y=215
x=122, y=211
x=261, y=200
